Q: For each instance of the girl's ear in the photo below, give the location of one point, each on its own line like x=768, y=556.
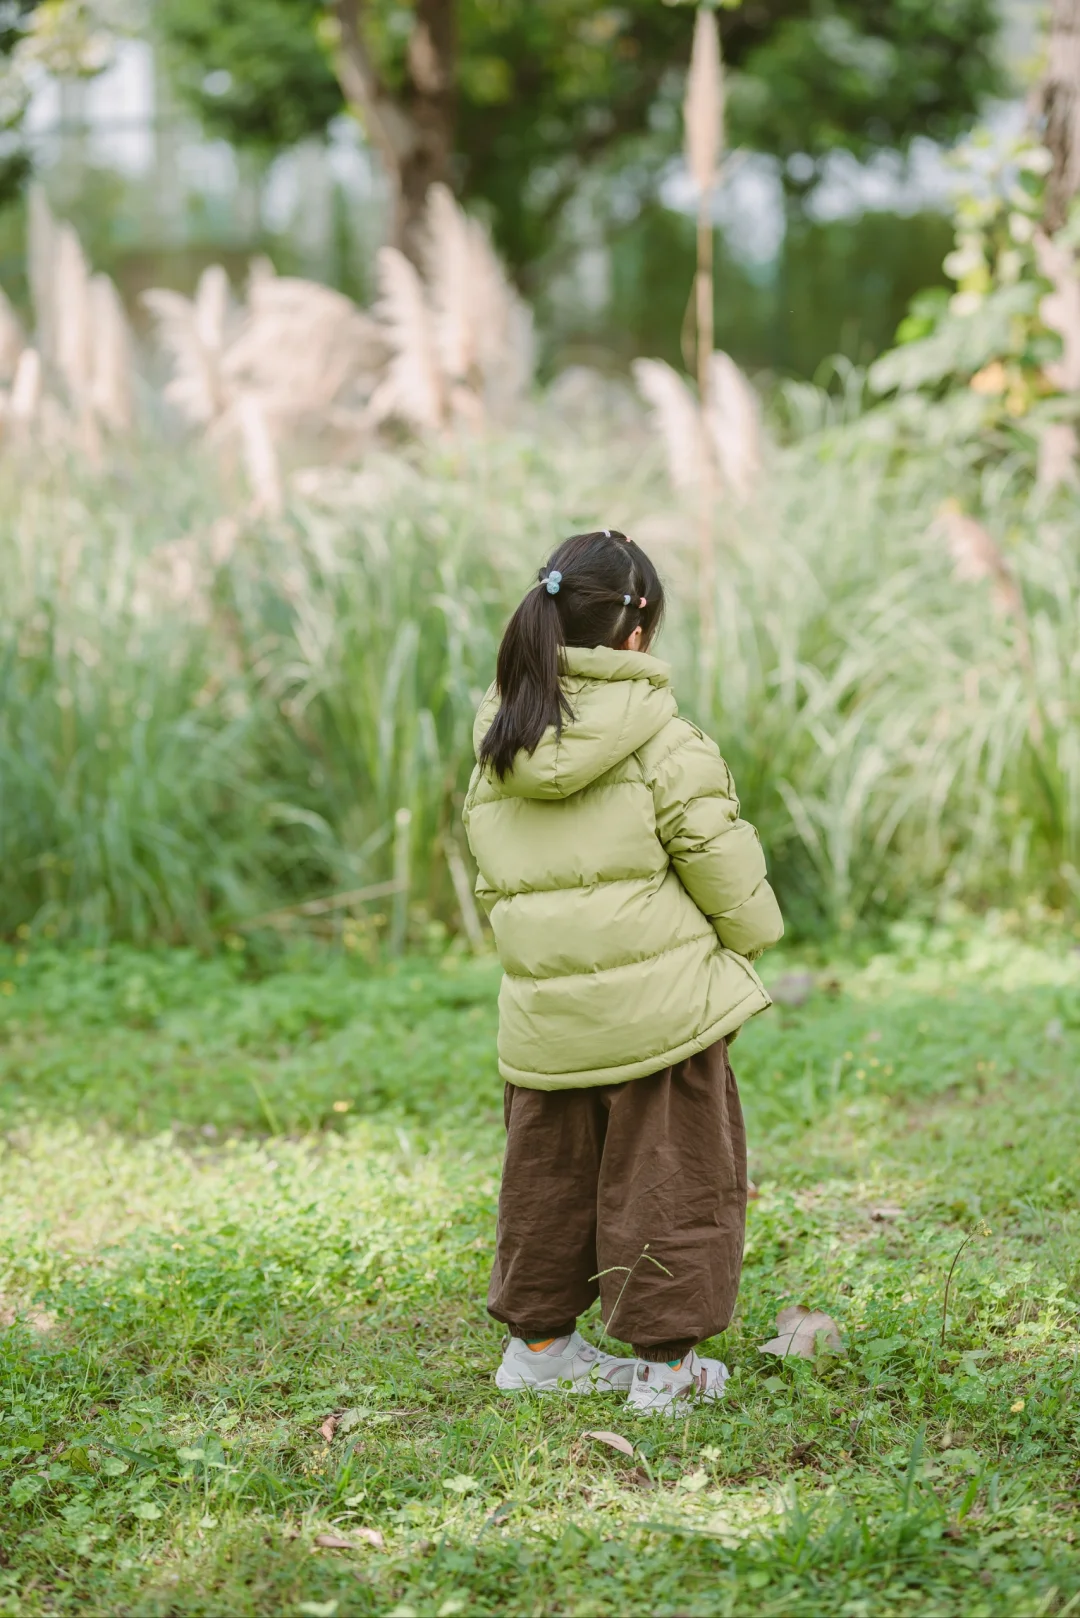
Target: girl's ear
x=633, y=643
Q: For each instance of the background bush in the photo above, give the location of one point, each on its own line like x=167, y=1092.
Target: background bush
x=206, y=715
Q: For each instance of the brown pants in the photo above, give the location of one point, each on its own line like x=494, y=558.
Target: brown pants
x=601, y=1187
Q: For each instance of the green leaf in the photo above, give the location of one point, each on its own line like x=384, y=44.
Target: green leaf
x=24, y=1489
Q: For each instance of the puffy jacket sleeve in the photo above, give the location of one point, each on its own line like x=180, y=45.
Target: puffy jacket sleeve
x=717, y=856
x=485, y=893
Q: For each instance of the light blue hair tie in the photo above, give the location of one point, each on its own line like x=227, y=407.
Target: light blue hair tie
x=626, y=600
x=553, y=580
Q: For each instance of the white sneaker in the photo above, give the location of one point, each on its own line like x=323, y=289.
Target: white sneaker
x=674, y=1391
x=569, y=1363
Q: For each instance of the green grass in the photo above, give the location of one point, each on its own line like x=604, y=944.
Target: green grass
x=201, y=1258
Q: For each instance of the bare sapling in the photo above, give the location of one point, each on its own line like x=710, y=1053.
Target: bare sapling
x=703, y=119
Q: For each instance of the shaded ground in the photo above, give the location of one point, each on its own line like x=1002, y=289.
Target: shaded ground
x=230, y=1207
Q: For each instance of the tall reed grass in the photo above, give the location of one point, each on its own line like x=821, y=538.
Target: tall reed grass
x=208, y=716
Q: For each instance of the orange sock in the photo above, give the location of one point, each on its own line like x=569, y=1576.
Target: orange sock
x=541, y=1342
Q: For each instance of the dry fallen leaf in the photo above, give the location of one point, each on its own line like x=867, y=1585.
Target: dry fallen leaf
x=798, y=1331
x=887, y=1210
x=613, y=1441
x=752, y=1192
x=352, y=1540
x=793, y=989
x=329, y=1428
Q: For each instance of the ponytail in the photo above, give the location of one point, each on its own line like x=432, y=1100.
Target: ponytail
x=527, y=675
x=595, y=591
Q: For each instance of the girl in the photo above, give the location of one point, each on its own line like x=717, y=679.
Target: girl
x=627, y=900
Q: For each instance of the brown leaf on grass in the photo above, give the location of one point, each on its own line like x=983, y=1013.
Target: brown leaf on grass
x=329, y=1427
x=793, y=989
x=639, y=1479
x=352, y=1540
x=800, y=1331
x=887, y=1211
x=752, y=1192
x=612, y=1440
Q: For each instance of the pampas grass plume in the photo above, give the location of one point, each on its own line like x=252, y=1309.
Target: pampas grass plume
x=703, y=108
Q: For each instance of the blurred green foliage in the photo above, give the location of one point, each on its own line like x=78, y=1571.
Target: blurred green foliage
x=835, y=287
x=545, y=91
x=227, y=713
x=14, y=159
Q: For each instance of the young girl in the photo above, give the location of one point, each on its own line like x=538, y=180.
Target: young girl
x=627, y=899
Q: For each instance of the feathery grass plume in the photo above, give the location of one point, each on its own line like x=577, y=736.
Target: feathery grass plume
x=12, y=340
x=677, y=419
x=703, y=106
x=41, y=254
x=73, y=317
x=507, y=348
x=1056, y=463
x=703, y=120
x=703, y=125
x=733, y=419
x=24, y=401
x=413, y=389
x=1060, y=309
x=260, y=456
x=727, y=435
x=82, y=331
x=483, y=329
x=455, y=292
x=193, y=334
x=307, y=352
x=111, y=390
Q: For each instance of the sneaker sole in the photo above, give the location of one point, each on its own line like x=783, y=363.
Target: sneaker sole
x=507, y=1382
x=672, y=1407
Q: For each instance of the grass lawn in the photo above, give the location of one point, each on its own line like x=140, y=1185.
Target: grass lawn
x=233, y=1204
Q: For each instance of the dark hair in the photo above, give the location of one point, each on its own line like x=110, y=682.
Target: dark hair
x=597, y=573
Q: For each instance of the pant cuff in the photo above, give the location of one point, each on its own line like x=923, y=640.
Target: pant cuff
x=657, y=1353
x=518, y=1328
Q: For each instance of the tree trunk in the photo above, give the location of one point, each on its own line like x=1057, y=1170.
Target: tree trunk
x=413, y=130
x=1060, y=103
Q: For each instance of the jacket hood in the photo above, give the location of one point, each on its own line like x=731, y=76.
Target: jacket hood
x=620, y=700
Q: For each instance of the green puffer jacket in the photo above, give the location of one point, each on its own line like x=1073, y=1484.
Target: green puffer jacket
x=625, y=893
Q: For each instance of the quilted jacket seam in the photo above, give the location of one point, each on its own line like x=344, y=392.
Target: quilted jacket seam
x=614, y=966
